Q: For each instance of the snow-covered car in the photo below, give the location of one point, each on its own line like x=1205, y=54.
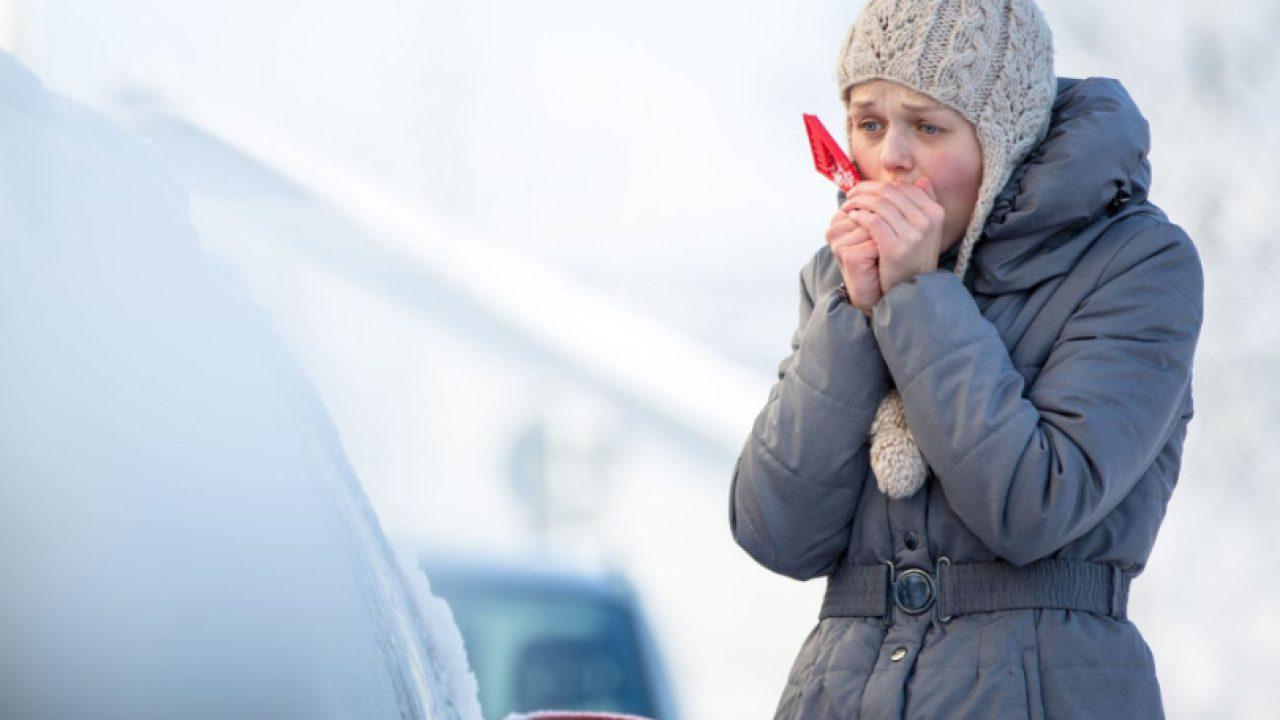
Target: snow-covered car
x=543, y=635
x=181, y=534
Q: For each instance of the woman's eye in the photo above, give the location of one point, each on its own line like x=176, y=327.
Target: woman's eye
x=865, y=125
x=928, y=129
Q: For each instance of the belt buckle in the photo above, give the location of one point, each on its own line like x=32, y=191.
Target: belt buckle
x=914, y=591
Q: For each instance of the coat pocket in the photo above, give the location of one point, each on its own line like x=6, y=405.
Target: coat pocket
x=1021, y=625
x=1010, y=664
x=1005, y=669
x=1031, y=673
x=975, y=671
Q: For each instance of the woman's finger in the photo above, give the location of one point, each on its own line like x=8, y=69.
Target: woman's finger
x=926, y=185
x=864, y=251
x=840, y=226
x=909, y=204
x=876, y=202
x=862, y=275
x=853, y=234
x=881, y=232
x=856, y=236
x=919, y=195
x=846, y=233
x=857, y=253
x=923, y=199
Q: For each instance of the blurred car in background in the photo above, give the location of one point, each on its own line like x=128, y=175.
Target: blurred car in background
x=542, y=637
x=570, y=715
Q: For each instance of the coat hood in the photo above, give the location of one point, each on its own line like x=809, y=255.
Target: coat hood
x=1089, y=171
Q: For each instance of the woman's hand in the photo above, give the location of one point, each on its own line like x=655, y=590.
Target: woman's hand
x=904, y=222
x=857, y=256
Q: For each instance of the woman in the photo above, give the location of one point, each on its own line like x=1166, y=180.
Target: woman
x=982, y=416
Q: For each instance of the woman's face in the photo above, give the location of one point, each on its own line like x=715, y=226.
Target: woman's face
x=897, y=135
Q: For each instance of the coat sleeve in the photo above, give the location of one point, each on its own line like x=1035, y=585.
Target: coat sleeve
x=1028, y=470
x=801, y=472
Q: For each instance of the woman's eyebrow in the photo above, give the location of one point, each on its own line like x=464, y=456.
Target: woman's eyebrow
x=913, y=107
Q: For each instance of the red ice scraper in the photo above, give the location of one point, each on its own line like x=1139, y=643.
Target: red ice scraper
x=828, y=157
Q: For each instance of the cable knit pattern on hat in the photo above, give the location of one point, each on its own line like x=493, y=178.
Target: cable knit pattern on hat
x=992, y=62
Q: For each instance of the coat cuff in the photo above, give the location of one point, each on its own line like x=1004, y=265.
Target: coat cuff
x=838, y=355
x=920, y=320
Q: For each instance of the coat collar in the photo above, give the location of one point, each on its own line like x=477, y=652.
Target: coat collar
x=1075, y=183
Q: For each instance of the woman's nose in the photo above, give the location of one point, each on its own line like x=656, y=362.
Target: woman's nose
x=895, y=153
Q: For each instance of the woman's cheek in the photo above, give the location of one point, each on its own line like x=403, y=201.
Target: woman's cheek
x=956, y=183
x=950, y=173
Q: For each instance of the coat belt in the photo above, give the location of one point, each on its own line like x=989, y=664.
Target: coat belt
x=961, y=588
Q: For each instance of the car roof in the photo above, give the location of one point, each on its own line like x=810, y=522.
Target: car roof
x=529, y=573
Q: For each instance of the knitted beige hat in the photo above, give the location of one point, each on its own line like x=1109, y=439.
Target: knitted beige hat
x=992, y=62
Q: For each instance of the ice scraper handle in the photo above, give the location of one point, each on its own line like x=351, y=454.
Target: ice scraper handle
x=829, y=158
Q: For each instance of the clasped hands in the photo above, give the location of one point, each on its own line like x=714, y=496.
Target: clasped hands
x=884, y=234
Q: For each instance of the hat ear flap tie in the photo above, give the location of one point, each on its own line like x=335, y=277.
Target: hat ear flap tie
x=899, y=467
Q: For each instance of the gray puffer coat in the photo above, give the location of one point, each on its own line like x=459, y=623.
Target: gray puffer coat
x=1049, y=392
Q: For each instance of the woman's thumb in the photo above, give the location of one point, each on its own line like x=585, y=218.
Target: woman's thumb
x=926, y=185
